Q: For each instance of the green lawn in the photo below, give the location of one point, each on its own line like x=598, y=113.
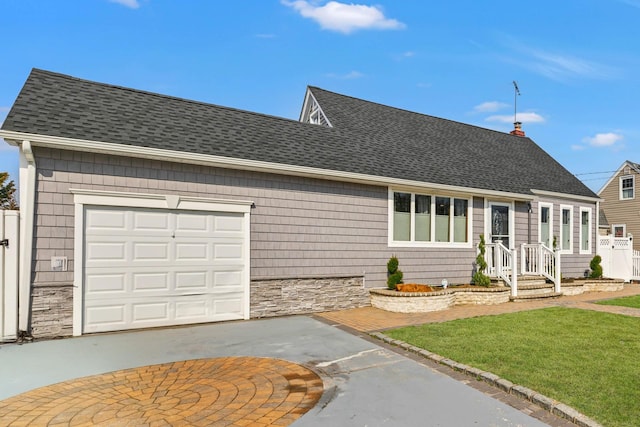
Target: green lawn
x=633, y=302
x=586, y=359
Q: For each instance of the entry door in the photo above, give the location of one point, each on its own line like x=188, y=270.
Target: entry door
x=500, y=223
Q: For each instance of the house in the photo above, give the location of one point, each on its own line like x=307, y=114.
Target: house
x=141, y=210
x=620, y=203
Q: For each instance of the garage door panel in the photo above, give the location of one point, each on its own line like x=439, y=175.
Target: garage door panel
x=192, y=280
x=193, y=251
x=105, y=283
x=228, y=223
x=157, y=311
x=150, y=221
x=145, y=282
x=105, y=219
x=228, y=251
x=106, y=251
x=148, y=251
x=147, y=267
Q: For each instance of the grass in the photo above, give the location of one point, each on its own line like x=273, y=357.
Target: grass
x=633, y=302
x=585, y=359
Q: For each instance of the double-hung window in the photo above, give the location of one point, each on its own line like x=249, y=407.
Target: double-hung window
x=424, y=219
x=627, y=187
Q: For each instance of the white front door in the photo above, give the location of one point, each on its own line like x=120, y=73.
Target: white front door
x=159, y=267
x=500, y=226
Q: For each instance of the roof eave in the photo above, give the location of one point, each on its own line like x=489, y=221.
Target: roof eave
x=15, y=138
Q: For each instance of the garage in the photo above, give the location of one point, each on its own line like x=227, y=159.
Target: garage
x=147, y=267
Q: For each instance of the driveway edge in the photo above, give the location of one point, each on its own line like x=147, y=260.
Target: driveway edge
x=546, y=403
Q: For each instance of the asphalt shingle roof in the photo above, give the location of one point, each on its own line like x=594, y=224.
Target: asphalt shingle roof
x=366, y=137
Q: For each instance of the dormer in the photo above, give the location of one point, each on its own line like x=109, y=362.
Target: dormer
x=312, y=112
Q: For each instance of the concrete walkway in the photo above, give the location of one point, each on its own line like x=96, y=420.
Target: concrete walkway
x=370, y=319
x=364, y=383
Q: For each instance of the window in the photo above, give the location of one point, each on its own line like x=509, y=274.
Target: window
x=566, y=229
x=428, y=219
x=619, y=230
x=626, y=187
x=585, y=230
x=402, y=217
x=546, y=224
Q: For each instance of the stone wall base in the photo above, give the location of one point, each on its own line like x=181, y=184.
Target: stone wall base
x=281, y=297
x=52, y=311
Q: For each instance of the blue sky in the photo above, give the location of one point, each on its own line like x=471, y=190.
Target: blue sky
x=576, y=62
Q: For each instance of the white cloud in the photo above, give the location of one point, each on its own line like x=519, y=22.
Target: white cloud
x=349, y=75
x=133, y=4
x=489, y=107
x=576, y=147
x=521, y=117
x=603, y=139
x=345, y=18
x=266, y=36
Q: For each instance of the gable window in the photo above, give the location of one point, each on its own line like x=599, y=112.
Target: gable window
x=627, y=187
x=423, y=219
x=585, y=230
x=566, y=229
x=546, y=224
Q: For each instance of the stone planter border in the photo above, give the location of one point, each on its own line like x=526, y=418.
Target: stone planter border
x=422, y=302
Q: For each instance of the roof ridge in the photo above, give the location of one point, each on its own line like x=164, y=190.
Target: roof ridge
x=404, y=110
x=157, y=94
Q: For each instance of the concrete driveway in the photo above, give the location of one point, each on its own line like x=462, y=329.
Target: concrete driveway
x=364, y=384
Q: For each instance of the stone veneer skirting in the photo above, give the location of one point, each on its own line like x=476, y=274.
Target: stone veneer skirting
x=51, y=311
x=421, y=302
x=280, y=297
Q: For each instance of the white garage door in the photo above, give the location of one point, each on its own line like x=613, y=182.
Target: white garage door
x=154, y=267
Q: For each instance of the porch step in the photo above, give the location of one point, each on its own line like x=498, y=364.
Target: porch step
x=534, y=288
x=534, y=297
x=524, y=281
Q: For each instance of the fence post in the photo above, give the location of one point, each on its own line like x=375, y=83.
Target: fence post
x=9, y=263
x=557, y=275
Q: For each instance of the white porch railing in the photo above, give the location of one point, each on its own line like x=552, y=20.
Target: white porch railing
x=539, y=260
x=502, y=263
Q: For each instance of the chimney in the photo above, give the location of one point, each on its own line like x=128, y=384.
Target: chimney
x=517, y=129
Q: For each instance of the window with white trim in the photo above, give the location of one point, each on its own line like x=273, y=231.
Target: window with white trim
x=627, y=184
x=585, y=230
x=619, y=230
x=425, y=219
x=566, y=229
x=545, y=224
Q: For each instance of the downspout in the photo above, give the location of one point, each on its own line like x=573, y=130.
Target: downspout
x=27, y=211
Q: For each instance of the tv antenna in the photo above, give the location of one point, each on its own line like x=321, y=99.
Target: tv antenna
x=516, y=93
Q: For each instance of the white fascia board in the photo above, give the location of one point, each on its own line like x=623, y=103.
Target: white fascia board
x=244, y=164
x=566, y=196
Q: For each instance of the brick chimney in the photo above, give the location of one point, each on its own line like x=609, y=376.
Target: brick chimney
x=517, y=129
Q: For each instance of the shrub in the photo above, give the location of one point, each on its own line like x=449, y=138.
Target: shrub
x=394, y=276
x=479, y=278
x=596, y=268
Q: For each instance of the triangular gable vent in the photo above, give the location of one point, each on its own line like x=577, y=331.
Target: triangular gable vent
x=314, y=113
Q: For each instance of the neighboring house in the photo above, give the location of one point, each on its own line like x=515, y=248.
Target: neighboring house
x=143, y=210
x=621, y=202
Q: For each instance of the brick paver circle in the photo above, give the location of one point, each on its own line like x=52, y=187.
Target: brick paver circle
x=236, y=391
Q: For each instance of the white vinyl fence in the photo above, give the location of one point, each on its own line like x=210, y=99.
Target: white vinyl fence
x=619, y=260
x=9, y=261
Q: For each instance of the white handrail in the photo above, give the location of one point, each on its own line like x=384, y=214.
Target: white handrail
x=502, y=263
x=537, y=259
